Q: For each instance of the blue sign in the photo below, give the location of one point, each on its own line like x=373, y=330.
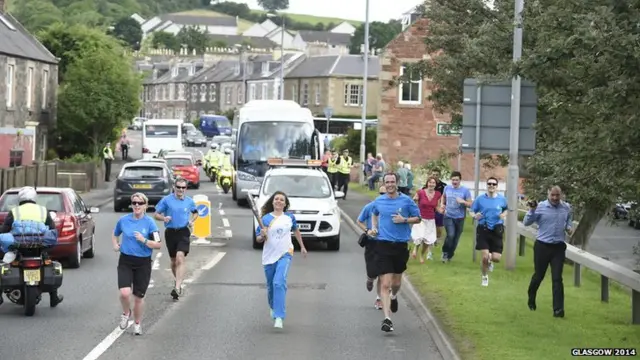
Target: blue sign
x=203, y=210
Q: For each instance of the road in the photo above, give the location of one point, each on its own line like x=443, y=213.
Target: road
x=223, y=314
x=615, y=241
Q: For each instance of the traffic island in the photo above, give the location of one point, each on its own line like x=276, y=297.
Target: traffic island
x=495, y=322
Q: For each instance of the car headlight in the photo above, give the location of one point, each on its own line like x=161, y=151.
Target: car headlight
x=332, y=212
x=245, y=177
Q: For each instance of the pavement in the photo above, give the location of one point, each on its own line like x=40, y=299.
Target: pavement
x=223, y=313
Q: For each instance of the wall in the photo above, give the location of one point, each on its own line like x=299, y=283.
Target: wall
x=336, y=91
x=11, y=141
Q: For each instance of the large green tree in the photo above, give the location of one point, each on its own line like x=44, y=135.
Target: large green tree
x=584, y=58
x=128, y=30
x=36, y=15
x=379, y=35
x=274, y=5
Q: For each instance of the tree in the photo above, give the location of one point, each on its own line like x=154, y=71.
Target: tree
x=193, y=39
x=128, y=30
x=380, y=34
x=273, y=5
x=583, y=58
x=36, y=15
x=165, y=40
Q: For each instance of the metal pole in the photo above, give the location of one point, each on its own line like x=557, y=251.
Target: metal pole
x=514, y=137
x=459, y=153
x=328, y=119
x=243, y=63
x=476, y=162
x=281, y=89
x=365, y=78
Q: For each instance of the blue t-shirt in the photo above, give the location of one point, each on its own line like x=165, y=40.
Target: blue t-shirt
x=266, y=220
x=179, y=210
x=452, y=208
x=365, y=214
x=385, y=208
x=127, y=226
x=490, y=208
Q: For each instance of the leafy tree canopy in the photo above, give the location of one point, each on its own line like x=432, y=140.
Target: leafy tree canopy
x=380, y=34
x=128, y=30
x=584, y=58
x=274, y=5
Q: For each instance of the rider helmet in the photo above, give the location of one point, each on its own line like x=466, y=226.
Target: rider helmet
x=27, y=193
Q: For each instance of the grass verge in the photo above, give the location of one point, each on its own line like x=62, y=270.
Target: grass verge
x=494, y=322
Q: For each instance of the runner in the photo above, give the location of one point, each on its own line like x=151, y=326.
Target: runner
x=178, y=212
x=139, y=237
x=489, y=210
x=390, y=224
x=424, y=234
x=364, y=221
x=278, y=251
x=455, y=200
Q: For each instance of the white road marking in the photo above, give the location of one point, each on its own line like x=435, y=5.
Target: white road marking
x=106, y=343
x=151, y=284
x=228, y=234
x=216, y=259
x=219, y=206
x=221, y=212
x=225, y=222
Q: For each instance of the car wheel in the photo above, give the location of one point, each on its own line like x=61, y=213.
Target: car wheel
x=91, y=253
x=334, y=243
x=76, y=259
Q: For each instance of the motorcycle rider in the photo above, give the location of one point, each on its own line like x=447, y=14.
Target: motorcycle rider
x=225, y=161
x=212, y=159
x=28, y=210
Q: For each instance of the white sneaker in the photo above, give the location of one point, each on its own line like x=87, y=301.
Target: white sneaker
x=9, y=257
x=124, y=320
x=137, y=329
x=490, y=266
x=485, y=280
x=429, y=256
x=278, y=323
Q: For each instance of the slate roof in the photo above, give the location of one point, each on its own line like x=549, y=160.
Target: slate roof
x=335, y=65
x=325, y=37
x=15, y=41
x=188, y=20
x=255, y=41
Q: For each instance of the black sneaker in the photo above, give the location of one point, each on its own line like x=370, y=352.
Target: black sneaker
x=394, y=305
x=387, y=325
x=175, y=294
x=369, y=285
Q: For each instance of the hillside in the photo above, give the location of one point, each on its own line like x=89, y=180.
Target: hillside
x=313, y=20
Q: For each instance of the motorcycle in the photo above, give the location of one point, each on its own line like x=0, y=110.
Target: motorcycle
x=225, y=180
x=32, y=273
x=212, y=172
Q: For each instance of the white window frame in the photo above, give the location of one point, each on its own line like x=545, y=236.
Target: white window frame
x=252, y=92
x=30, y=78
x=317, y=94
x=353, y=94
x=305, y=94
x=265, y=91
x=203, y=93
x=172, y=91
x=294, y=95
x=181, y=91
x=410, y=83
x=228, y=94
x=10, y=84
x=45, y=89
x=240, y=97
x=212, y=92
x=194, y=93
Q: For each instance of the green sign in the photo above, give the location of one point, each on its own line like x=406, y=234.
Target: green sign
x=446, y=129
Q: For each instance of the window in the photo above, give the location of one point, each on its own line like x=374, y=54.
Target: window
x=252, y=92
x=203, y=93
x=194, y=93
x=193, y=115
x=240, y=94
x=410, y=92
x=265, y=68
x=172, y=91
x=265, y=91
x=317, y=94
x=163, y=113
x=162, y=131
x=10, y=84
x=181, y=90
x=294, y=95
x=212, y=93
x=29, y=88
x=165, y=92
x=304, y=186
x=150, y=172
x=353, y=95
x=228, y=95
x=305, y=94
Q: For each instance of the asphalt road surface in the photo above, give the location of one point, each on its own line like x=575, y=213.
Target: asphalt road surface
x=223, y=313
x=616, y=241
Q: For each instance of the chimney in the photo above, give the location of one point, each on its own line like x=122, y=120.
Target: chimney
x=2, y=6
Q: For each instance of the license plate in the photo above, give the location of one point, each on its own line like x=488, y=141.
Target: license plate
x=177, y=172
x=142, y=186
x=305, y=226
x=31, y=276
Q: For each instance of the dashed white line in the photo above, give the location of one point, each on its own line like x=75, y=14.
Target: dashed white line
x=216, y=259
x=151, y=284
x=106, y=343
x=225, y=222
x=228, y=234
x=156, y=262
x=221, y=212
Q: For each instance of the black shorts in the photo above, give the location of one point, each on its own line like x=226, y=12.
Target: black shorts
x=134, y=272
x=390, y=257
x=177, y=240
x=369, y=259
x=489, y=239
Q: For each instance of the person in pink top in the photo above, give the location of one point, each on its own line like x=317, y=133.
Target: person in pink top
x=424, y=233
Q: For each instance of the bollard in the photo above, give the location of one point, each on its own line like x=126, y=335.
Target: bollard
x=522, y=242
x=635, y=305
x=202, y=225
x=604, y=286
x=577, y=275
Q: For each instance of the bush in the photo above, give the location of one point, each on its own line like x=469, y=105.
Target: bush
x=79, y=158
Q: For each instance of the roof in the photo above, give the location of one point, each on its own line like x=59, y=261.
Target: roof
x=335, y=65
x=143, y=164
x=325, y=37
x=18, y=42
x=253, y=41
x=183, y=19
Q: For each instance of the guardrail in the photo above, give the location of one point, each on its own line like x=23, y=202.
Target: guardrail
x=608, y=271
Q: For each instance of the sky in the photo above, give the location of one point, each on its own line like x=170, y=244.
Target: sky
x=379, y=10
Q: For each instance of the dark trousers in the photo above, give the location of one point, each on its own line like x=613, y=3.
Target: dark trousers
x=125, y=151
x=454, y=228
x=107, y=169
x=343, y=183
x=545, y=254
x=333, y=178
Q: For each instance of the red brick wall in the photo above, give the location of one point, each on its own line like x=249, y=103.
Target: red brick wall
x=409, y=131
x=9, y=142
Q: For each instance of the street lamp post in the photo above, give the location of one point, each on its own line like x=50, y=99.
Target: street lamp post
x=282, y=25
x=243, y=68
x=365, y=78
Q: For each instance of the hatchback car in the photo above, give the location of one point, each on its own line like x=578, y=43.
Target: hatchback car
x=195, y=138
x=185, y=167
x=152, y=179
x=74, y=221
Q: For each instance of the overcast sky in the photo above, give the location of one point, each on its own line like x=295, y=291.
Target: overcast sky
x=379, y=10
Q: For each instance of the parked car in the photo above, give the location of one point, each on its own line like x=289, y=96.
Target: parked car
x=136, y=124
x=74, y=221
x=621, y=211
x=195, y=138
x=152, y=179
x=222, y=140
x=186, y=167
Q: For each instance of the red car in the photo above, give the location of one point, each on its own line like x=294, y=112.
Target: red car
x=186, y=167
x=75, y=224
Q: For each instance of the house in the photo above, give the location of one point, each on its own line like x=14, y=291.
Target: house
x=255, y=42
x=173, y=23
x=261, y=30
x=407, y=122
x=276, y=36
x=139, y=19
x=165, y=90
x=233, y=84
x=205, y=95
x=28, y=95
x=334, y=81
x=322, y=42
x=264, y=81
x=344, y=28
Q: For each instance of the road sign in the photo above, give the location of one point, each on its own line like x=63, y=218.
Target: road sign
x=328, y=113
x=202, y=225
x=445, y=129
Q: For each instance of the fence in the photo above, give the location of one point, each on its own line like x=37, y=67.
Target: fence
x=79, y=176
x=608, y=271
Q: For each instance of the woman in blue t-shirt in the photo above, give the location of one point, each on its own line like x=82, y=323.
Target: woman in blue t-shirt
x=139, y=234
x=278, y=250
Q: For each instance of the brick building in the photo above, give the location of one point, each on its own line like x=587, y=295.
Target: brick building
x=407, y=122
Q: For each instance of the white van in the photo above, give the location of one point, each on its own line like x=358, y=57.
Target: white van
x=161, y=134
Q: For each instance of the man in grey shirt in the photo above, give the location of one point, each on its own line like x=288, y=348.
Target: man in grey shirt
x=403, y=175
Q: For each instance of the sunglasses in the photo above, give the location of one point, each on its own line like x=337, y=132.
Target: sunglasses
x=138, y=203
x=492, y=184
x=181, y=187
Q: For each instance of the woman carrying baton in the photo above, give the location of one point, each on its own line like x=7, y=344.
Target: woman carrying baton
x=140, y=236
x=277, y=251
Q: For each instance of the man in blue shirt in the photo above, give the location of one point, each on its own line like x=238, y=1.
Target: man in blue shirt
x=364, y=221
x=455, y=200
x=393, y=214
x=555, y=220
x=178, y=212
x=490, y=211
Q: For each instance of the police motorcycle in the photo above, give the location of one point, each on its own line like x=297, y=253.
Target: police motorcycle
x=32, y=272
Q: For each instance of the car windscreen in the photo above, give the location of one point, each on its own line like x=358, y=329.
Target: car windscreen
x=178, y=162
x=223, y=122
x=300, y=186
x=132, y=172
x=52, y=201
x=221, y=140
x=161, y=131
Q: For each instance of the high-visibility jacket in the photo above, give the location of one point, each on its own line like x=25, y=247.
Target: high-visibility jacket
x=225, y=163
x=107, y=153
x=345, y=165
x=332, y=168
x=29, y=212
x=213, y=157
